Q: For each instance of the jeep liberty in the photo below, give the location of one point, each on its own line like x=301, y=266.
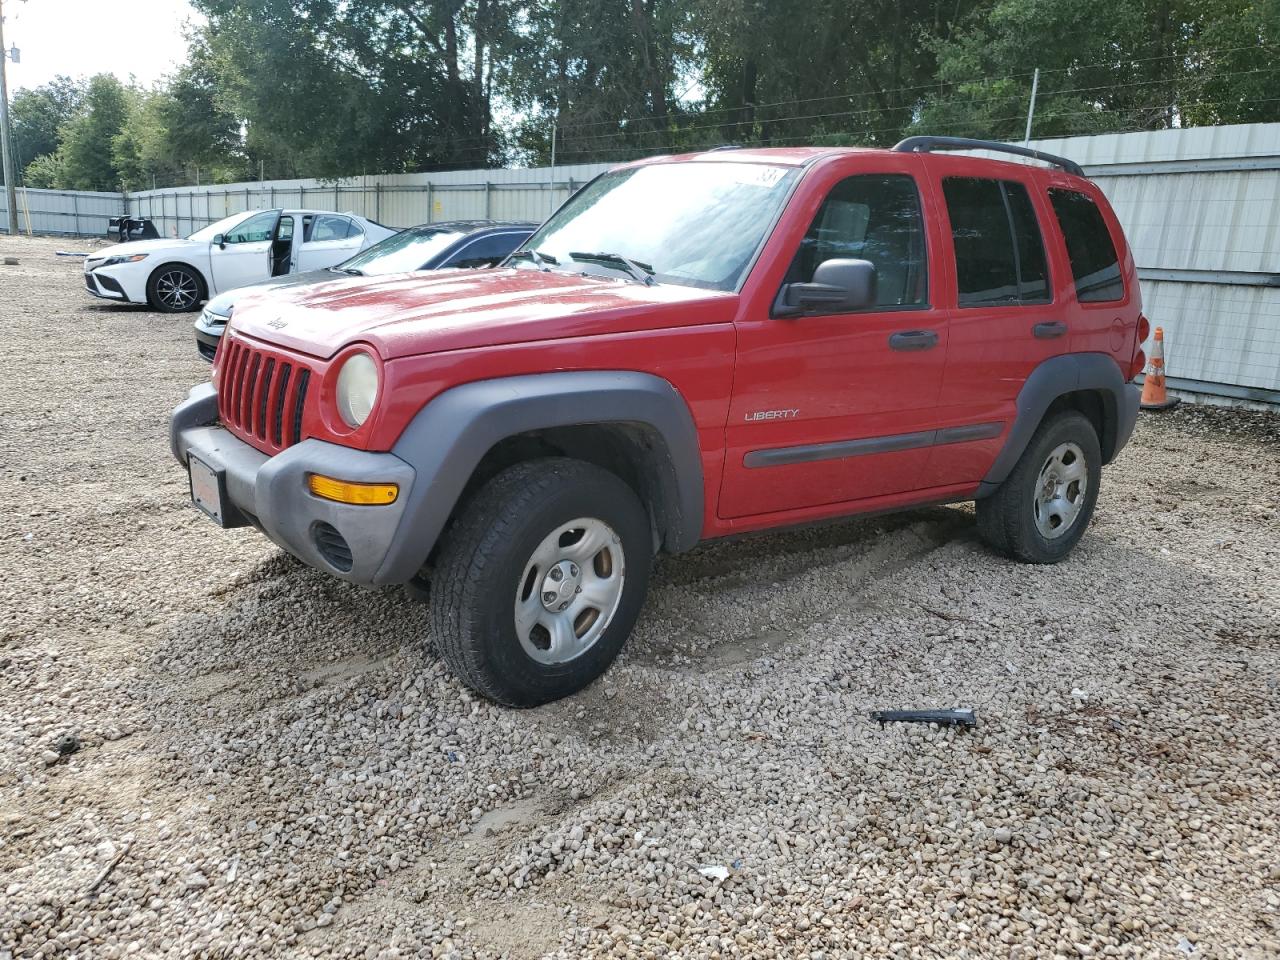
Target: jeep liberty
x=691, y=347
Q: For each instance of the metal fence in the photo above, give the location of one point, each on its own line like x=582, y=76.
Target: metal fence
x=397, y=200
x=1200, y=207
x=71, y=212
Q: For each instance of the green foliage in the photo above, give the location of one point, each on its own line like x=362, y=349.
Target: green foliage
x=36, y=115
x=87, y=140
x=327, y=88
x=1106, y=65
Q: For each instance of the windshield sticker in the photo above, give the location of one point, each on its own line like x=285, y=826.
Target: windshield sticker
x=758, y=175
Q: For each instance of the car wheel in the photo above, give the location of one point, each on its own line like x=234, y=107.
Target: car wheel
x=174, y=288
x=1041, y=510
x=540, y=580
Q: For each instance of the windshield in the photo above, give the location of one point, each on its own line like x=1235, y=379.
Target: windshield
x=206, y=234
x=407, y=250
x=695, y=223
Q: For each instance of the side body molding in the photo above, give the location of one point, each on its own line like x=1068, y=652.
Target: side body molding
x=450, y=435
x=1055, y=378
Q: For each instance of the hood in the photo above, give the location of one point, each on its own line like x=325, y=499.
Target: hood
x=414, y=313
x=223, y=302
x=144, y=246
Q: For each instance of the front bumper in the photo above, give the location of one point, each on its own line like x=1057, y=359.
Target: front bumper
x=115, y=283
x=272, y=493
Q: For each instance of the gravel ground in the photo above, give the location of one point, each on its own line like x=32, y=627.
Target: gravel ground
x=275, y=763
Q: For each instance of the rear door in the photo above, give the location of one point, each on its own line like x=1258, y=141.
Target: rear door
x=1004, y=305
x=829, y=408
x=244, y=256
x=327, y=240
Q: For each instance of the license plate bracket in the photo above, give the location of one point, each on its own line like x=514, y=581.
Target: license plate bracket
x=208, y=490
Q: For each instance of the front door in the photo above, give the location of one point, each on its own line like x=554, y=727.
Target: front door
x=244, y=255
x=841, y=407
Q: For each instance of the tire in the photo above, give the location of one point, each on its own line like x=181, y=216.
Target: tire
x=520, y=549
x=1026, y=519
x=175, y=288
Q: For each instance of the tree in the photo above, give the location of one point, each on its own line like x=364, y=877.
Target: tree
x=87, y=141
x=1106, y=65
x=36, y=115
x=605, y=72
x=329, y=88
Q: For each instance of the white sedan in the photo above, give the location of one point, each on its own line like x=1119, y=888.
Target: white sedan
x=176, y=275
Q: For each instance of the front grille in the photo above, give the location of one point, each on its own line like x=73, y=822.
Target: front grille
x=261, y=396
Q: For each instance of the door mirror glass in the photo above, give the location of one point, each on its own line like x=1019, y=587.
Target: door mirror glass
x=220, y=241
x=838, y=286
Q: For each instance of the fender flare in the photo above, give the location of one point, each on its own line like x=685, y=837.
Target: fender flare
x=447, y=439
x=1057, y=377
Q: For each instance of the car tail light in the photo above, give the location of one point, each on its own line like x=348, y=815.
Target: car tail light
x=1139, y=358
x=1139, y=362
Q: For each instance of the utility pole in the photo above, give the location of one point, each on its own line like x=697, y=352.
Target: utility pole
x=10, y=187
x=551, y=175
x=1031, y=110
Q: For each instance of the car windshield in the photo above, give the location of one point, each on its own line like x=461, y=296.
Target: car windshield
x=407, y=250
x=696, y=223
x=206, y=234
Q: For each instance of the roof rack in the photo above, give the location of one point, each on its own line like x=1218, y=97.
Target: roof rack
x=928, y=144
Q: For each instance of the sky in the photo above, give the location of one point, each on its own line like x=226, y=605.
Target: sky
x=84, y=37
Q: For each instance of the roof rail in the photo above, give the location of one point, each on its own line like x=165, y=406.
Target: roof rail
x=928, y=144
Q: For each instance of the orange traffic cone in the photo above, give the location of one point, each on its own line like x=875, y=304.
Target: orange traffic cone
x=1154, y=394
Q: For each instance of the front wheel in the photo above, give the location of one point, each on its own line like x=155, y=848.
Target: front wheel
x=174, y=288
x=1042, y=508
x=540, y=580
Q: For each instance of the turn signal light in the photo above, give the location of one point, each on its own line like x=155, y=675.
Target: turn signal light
x=360, y=494
x=1144, y=328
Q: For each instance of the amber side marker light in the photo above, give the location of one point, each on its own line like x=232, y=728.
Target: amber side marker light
x=360, y=494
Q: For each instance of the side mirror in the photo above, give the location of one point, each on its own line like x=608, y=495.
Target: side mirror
x=838, y=286
x=220, y=241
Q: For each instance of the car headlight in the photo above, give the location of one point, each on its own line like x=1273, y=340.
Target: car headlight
x=113, y=261
x=357, y=389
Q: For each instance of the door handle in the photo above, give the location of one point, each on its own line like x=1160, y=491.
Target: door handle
x=913, y=340
x=1049, y=331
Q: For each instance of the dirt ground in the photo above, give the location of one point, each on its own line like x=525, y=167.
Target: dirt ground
x=271, y=762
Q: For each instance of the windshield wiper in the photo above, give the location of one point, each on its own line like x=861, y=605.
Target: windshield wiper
x=542, y=260
x=640, y=271
x=353, y=271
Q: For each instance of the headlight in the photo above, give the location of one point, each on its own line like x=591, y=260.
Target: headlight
x=357, y=388
x=112, y=261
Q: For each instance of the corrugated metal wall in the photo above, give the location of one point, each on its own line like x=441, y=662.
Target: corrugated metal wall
x=1201, y=208
x=78, y=213
x=398, y=200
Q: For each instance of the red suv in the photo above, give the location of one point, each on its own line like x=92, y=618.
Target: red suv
x=692, y=347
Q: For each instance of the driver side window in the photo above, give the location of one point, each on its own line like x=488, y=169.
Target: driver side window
x=254, y=230
x=873, y=217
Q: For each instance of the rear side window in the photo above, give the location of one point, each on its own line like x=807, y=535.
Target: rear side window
x=1094, y=263
x=875, y=218
x=999, y=249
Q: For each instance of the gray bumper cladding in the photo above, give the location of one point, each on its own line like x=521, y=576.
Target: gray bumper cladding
x=272, y=491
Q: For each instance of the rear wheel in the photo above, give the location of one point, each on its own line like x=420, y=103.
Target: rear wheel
x=174, y=288
x=540, y=581
x=1042, y=509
